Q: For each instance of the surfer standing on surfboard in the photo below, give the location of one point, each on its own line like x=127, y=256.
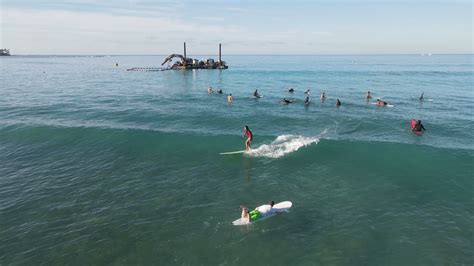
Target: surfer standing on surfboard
x=249, y=135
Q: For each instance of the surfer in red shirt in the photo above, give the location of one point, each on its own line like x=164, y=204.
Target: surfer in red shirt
x=249, y=135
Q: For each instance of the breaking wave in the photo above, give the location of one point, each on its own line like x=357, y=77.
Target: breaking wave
x=283, y=145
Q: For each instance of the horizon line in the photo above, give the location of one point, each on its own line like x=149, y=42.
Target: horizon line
x=329, y=54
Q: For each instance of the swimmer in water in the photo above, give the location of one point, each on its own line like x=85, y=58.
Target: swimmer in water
x=219, y=91
x=338, y=103
x=307, y=92
x=249, y=135
x=209, y=90
x=421, y=96
x=368, y=96
x=418, y=127
x=230, y=98
x=323, y=97
x=291, y=90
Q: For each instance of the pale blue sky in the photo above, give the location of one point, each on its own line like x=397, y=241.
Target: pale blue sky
x=243, y=27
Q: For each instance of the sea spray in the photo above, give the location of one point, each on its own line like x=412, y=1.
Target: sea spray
x=282, y=145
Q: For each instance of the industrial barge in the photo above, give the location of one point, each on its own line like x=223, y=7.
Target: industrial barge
x=185, y=63
x=4, y=52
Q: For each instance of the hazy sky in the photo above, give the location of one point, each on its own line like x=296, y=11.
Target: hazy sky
x=243, y=27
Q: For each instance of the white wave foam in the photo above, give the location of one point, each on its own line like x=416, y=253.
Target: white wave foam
x=282, y=145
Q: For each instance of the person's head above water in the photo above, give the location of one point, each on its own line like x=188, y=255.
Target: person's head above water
x=247, y=128
x=271, y=203
x=419, y=121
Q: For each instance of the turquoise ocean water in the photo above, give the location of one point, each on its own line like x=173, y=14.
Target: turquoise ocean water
x=103, y=166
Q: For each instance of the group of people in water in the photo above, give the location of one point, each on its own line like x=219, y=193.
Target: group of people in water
x=307, y=100
x=230, y=98
x=250, y=216
x=417, y=128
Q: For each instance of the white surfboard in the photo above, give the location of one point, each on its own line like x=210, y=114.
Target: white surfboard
x=232, y=152
x=279, y=207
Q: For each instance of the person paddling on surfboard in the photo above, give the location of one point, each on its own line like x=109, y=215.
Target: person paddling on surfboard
x=249, y=135
x=286, y=101
x=257, y=213
x=381, y=102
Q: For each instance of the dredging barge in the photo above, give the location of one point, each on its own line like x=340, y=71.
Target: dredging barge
x=4, y=52
x=185, y=63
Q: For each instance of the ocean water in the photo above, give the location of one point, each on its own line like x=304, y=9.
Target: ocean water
x=99, y=165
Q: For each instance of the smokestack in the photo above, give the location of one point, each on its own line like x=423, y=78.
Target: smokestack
x=219, y=53
x=184, y=50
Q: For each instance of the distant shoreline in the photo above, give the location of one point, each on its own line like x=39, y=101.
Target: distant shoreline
x=161, y=55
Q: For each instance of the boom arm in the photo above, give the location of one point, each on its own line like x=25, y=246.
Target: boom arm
x=171, y=56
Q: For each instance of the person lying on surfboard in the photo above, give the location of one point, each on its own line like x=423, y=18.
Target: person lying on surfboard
x=418, y=127
x=286, y=101
x=257, y=213
x=249, y=135
x=381, y=102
